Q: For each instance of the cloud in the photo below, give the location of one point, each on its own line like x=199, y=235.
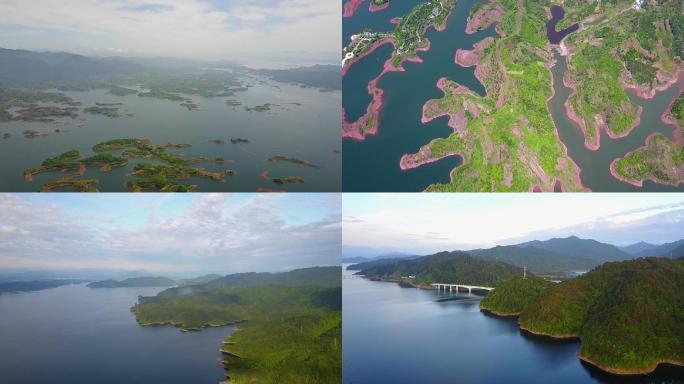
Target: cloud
x=179, y=28
x=222, y=233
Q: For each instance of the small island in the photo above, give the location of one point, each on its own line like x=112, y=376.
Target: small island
x=148, y=281
x=292, y=160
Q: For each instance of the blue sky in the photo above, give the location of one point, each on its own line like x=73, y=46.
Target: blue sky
x=424, y=223
x=169, y=233
x=200, y=29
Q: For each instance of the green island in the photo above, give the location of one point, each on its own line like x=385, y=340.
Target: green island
x=260, y=108
x=148, y=176
x=103, y=110
x=408, y=37
x=121, y=91
x=238, y=140
x=627, y=314
x=292, y=160
x=661, y=159
x=288, y=324
x=288, y=180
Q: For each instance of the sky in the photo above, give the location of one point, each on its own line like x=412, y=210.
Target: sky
x=175, y=235
x=375, y=224
x=199, y=29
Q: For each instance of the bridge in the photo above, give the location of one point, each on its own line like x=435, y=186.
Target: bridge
x=441, y=286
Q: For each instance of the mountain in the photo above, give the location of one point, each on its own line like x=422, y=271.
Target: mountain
x=628, y=315
x=537, y=260
x=355, y=260
x=134, y=282
x=578, y=248
x=30, y=286
x=661, y=250
x=323, y=276
x=23, y=68
x=198, y=280
x=634, y=249
x=445, y=267
x=319, y=76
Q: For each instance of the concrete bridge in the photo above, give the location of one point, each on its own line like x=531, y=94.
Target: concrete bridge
x=455, y=287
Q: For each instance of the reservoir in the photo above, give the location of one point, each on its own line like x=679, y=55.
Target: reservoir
x=75, y=334
x=298, y=117
x=373, y=164
x=405, y=336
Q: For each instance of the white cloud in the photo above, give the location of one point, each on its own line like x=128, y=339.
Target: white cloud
x=179, y=28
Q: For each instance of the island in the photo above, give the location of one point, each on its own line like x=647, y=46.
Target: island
x=661, y=160
x=149, y=176
x=292, y=160
x=148, y=281
x=35, y=285
x=627, y=314
x=288, y=324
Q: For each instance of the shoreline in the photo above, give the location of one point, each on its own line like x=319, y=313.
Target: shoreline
x=352, y=130
x=631, y=372
x=350, y=7
x=503, y=315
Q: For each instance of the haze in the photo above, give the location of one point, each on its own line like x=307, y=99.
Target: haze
x=425, y=223
x=198, y=29
x=169, y=234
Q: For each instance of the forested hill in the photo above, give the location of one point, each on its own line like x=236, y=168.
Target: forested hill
x=134, y=282
x=627, y=314
x=537, y=260
x=446, y=267
x=291, y=323
x=585, y=249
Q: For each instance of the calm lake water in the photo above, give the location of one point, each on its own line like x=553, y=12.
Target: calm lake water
x=404, y=336
x=75, y=334
x=373, y=164
x=309, y=131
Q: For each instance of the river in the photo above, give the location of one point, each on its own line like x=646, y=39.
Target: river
x=403, y=335
x=75, y=334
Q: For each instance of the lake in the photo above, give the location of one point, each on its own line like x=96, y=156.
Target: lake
x=304, y=124
x=75, y=334
x=403, y=335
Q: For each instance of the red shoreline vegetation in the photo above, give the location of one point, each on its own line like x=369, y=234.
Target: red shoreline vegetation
x=362, y=127
x=375, y=8
x=600, y=127
x=351, y=6
x=483, y=18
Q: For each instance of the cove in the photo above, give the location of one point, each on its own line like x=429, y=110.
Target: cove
x=595, y=165
x=373, y=164
x=406, y=336
x=75, y=334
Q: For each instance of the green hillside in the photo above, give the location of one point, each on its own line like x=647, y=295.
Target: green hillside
x=287, y=332
x=584, y=249
x=536, y=260
x=446, y=267
x=627, y=314
x=513, y=296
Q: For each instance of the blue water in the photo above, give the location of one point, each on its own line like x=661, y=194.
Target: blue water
x=404, y=336
x=373, y=164
x=75, y=334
